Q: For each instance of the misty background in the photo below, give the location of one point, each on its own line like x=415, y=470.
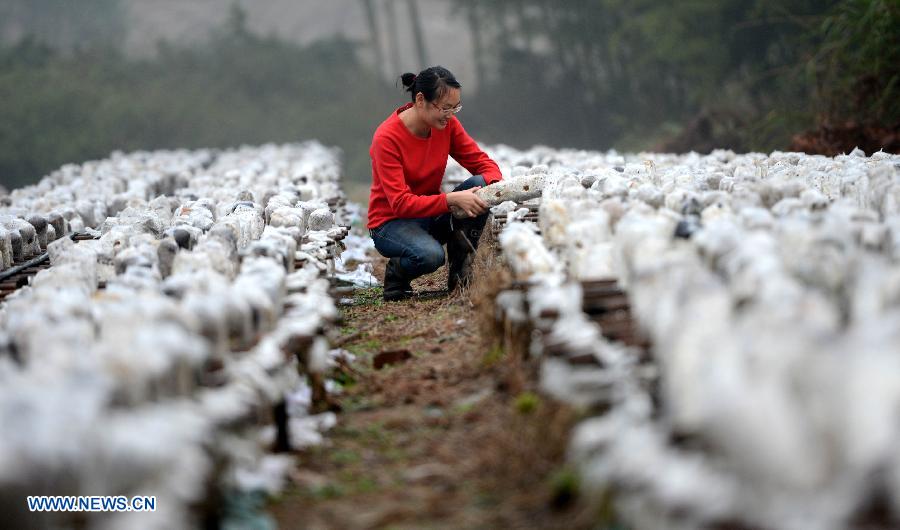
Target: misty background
x=81, y=79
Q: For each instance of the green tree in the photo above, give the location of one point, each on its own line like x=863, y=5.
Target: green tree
x=630, y=73
x=857, y=68
x=237, y=88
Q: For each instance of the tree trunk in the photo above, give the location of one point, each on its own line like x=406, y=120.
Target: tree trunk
x=393, y=37
x=374, y=36
x=418, y=35
x=477, y=43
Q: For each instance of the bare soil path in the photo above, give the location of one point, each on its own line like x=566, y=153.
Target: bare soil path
x=436, y=436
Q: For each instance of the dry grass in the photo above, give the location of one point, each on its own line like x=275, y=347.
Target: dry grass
x=490, y=276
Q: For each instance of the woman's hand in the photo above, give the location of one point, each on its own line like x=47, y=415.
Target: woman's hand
x=467, y=202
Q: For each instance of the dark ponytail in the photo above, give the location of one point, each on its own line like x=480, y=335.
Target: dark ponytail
x=407, y=79
x=432, y=82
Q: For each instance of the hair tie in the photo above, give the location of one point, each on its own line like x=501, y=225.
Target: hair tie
x=414, y=78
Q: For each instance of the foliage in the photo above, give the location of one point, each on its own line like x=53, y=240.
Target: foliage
x=527, y=402
x=746, y=75
x=564, y=486
x=369, y=296
x=235, y=89
x=857, y=68
x=494, y=355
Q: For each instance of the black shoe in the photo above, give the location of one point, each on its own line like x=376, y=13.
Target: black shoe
x=460, y=250
x=396, y=282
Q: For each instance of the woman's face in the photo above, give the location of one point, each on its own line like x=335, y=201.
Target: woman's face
x=438, y=113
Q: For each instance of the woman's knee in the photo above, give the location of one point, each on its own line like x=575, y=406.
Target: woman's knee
x=434, y=258
x=471, y=182
x=429, y=259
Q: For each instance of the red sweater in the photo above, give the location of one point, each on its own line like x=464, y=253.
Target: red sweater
x=407, y=170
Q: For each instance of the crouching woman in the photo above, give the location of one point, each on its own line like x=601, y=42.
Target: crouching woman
x=409, y=218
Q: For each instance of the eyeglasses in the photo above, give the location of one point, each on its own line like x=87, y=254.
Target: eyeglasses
x=447, y=112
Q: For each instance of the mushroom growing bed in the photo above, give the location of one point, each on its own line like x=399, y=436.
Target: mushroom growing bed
x=752, y=377
x=174, y=334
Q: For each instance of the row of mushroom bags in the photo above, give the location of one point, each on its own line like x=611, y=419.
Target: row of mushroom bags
x=148, y=358
x=769, y=286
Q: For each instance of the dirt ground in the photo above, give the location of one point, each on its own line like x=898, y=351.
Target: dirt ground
x=453, y=434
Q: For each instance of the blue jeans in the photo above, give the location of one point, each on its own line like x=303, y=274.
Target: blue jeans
x=418, y=242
